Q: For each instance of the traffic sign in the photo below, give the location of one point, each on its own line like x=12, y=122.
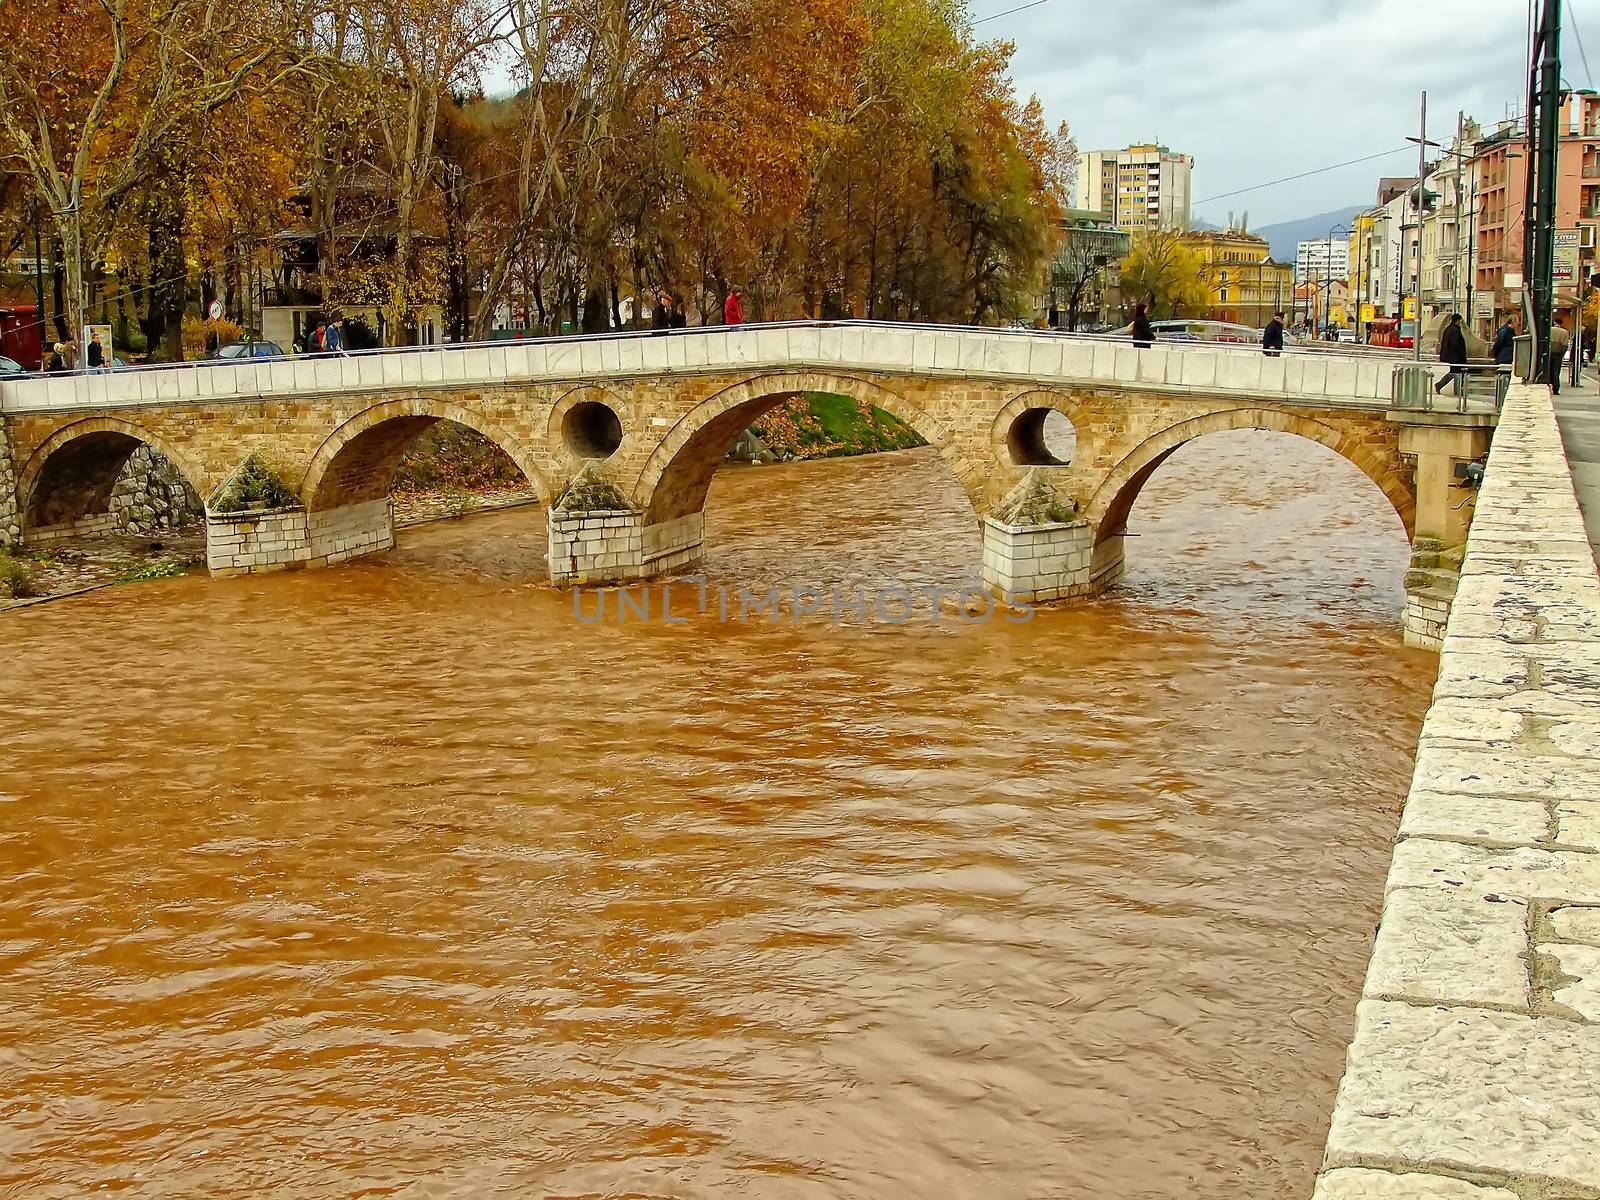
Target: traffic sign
x=1567, y=244
x=215, y=311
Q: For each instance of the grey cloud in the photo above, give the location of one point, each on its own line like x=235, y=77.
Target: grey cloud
x=1260, y=89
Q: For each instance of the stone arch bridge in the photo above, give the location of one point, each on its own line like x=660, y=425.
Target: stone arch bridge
x=652, y=417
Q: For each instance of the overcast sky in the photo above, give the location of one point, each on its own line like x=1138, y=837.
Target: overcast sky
x=1257, y=90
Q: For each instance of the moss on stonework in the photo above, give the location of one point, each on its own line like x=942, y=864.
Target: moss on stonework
x=255, y=485
x=1034, y=501
x=590, y=491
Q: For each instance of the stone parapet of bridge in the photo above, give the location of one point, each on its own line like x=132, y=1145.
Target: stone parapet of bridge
x=1475, y=1068
x=647, y=419
x=1043, y=359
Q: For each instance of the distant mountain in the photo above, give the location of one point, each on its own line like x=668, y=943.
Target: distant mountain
x=1285, y=236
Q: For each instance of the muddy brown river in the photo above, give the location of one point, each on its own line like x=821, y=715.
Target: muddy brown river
x=396, y=879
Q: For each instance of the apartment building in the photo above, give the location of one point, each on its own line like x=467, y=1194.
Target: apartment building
x=1499, y=181
x=1140, y=187
x=1321, y=259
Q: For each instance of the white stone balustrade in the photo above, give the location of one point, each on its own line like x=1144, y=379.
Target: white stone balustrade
x=1043, y=359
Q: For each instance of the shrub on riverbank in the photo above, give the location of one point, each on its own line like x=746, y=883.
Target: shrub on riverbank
x=822, y=425
x=255, y=486
x=16, y=581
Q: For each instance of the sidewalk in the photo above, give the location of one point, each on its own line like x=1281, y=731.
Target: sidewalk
x=1578, y=415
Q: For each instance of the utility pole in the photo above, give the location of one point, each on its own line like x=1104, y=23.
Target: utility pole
x=1461, y=141
x=1539, y=217
x=1416, y=271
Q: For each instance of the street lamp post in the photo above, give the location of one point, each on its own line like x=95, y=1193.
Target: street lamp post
x=1333, y=229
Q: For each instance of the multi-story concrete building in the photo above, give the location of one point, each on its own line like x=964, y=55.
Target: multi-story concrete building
x=1499, y=180
x=1140, y=187
x=1321, y=259
x=1445, y=211
x=1246, y=285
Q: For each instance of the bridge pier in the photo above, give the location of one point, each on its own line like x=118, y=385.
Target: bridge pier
x=619, y=546
x=1036, y=564
x=1438, y=443
x=286, y=539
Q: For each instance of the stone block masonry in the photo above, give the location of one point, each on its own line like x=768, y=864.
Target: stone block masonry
x=340, y=534
x=604, y=546
x=248, y=543
x=281, y=539
x=1038, y=563
x=1475, y=1067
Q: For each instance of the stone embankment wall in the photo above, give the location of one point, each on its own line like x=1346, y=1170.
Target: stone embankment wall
x=1475, y=1068
x=10, y=519
x=151, y=494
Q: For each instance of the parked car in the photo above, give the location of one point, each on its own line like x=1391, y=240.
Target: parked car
x=1347, y=335
x=249, y=350
x=10, y=366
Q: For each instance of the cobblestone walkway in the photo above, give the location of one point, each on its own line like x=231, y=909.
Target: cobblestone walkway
x=1475, y=1069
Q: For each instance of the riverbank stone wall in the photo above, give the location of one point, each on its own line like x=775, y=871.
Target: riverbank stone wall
x=151, y=495
x=1475, y=1066
x=10, y=518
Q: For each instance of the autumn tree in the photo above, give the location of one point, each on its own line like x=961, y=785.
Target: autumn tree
x=1165, y=273
x=93, y=92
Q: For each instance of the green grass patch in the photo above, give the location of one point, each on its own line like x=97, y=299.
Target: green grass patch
x=823, y=425
x=132, y=571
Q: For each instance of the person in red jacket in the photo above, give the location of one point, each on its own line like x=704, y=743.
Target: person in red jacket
x=733, y=310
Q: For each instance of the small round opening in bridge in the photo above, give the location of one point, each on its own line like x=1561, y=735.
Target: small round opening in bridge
x=592, y=429
x=1041, y=437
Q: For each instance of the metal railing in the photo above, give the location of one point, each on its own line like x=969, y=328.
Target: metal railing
x=1435, y=387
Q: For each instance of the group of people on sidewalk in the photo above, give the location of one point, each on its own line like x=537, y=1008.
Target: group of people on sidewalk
x=1503, y=350
x=326, y=338
x=1452, y=345
x=63, y=354
x=669, y=314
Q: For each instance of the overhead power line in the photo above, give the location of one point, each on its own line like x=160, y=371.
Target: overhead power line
x=1256, y=187
x=1572, y=19
x=1009, y=11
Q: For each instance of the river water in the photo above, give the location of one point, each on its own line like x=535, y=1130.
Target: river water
x=397, y=879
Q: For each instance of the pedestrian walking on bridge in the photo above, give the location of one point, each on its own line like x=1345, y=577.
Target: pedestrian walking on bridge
x=1143, y=336
x=1505, y=341
x=1272, y=336
x=1453, y=353
x=1560, y=339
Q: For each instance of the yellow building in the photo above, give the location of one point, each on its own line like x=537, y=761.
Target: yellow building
x=1246, y=285
x=1365, y=233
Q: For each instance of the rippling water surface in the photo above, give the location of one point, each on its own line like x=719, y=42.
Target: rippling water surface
x=396, y=880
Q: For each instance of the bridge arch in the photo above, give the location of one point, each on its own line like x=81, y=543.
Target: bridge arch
x=72, y=473
x=1017, y=433
x=1108, y=509
x=591, y=422
x=358, y=460
x=676, y=477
